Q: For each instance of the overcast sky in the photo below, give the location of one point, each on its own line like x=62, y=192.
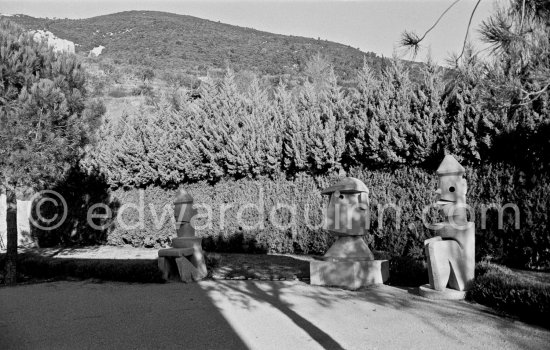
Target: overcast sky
x=366, y=24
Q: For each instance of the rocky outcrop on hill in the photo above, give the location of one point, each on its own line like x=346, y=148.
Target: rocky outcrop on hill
x=58, y=45
x=96, y=51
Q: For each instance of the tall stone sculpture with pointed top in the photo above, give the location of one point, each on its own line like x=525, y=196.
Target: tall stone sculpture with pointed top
x=451, y=256
x=349, y=262
x=185, y=259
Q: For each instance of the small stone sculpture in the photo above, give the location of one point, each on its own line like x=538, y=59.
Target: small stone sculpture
x=185, y=259
x=451, y=256
x=349, y=262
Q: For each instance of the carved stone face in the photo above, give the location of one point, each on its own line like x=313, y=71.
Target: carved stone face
x=452, y=196
x=452, y=189
x=348, y=213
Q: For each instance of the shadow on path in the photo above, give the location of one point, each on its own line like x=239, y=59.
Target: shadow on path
x=78, y=315
x=272, y=296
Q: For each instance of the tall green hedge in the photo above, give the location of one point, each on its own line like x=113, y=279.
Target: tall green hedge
x=317, y=128
x=411, y=189
x=227, y=141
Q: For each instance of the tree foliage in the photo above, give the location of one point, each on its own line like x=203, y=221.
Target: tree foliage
x=500, y=102
x=387, y=121
x=45, y=118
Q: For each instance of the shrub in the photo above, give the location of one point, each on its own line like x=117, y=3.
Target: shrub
x=118, y=92
x=145, y=74
x=512, y=292
x=226, y=233
x=143, y=89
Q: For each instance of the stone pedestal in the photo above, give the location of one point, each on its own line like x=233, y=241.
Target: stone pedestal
x=446, y=294
x=184, y=264
x=348, y=273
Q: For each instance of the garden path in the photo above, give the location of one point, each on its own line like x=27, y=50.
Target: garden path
x=236, y=314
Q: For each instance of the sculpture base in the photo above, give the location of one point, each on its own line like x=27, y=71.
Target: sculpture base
x=183, y=264
x=447, y=294
x=349, y=274
x=187, y=242
x=349, y=248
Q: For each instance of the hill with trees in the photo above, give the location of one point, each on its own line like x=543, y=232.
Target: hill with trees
x=172, y=41
x=147, y=53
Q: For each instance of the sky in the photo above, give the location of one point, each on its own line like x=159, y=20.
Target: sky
x=370, y=25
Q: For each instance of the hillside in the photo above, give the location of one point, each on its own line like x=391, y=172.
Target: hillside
x=171, y=41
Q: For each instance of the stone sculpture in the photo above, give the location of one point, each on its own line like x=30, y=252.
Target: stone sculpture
x=349, y=262
x=185, y=259
x=451, y=256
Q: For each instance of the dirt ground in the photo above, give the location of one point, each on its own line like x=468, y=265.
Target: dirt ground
x=222, y=265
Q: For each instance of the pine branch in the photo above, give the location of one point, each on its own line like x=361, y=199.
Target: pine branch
x=467, y=31
x=412, y=40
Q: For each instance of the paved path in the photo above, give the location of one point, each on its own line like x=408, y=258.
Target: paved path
x=247, y=314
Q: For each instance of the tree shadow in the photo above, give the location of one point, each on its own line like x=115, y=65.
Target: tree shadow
x=257, y=266
x=244, y=294
x=458, y=322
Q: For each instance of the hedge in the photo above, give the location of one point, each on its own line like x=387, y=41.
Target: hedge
x=225, y=142
x=226, y=131
x=409, y=188
x=511, y=291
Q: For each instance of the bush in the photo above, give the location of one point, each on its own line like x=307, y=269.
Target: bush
x=145, y=74
x=512, y=292
x=118, y=92
x=143, y=89
x=226, y=234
